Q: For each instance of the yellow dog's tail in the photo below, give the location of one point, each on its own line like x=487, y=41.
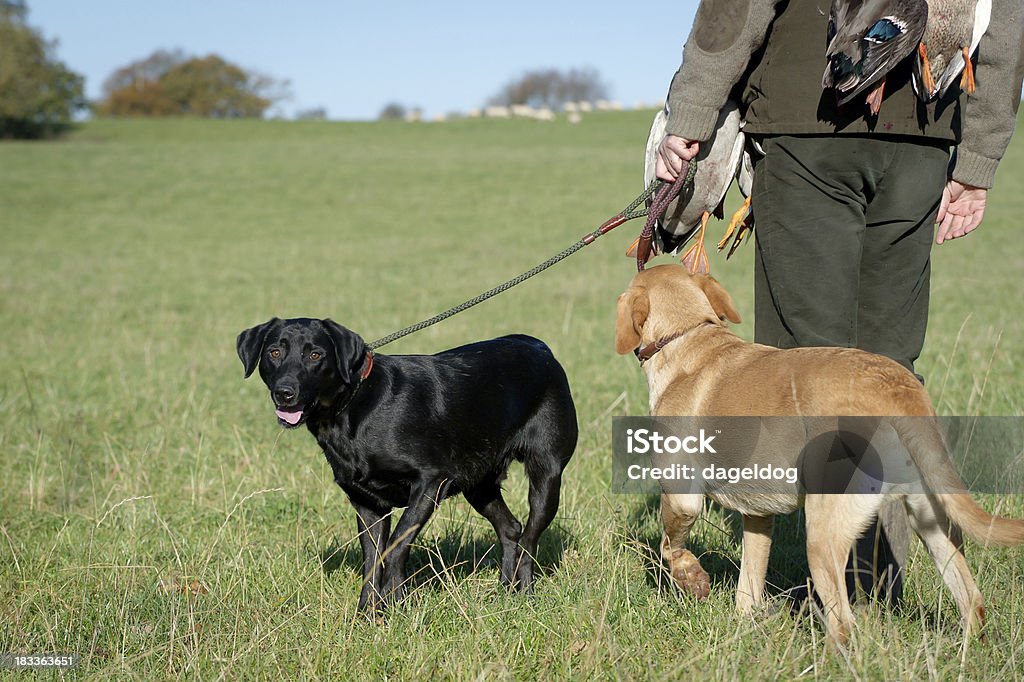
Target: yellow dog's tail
x=924, y=440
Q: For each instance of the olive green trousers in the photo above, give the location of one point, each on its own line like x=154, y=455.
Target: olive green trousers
x=844, y=231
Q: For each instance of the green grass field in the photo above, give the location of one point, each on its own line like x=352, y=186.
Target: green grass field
x=158, y=522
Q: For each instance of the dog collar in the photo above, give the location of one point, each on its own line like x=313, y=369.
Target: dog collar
x=367, y=367
x=650, y=350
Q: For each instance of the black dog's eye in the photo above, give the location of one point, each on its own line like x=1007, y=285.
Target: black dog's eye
x=275, y=353
x=315, y=355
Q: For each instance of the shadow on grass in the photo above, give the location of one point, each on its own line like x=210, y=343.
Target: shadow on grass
x=787, y=581
x=787, y=565
x=457, y=554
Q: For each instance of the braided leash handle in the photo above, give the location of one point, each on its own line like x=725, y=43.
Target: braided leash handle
x=664, y=196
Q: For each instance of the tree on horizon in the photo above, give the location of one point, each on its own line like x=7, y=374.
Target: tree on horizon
x=171, y=83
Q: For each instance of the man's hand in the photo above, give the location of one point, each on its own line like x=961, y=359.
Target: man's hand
x=961, y=210
x=672, y=152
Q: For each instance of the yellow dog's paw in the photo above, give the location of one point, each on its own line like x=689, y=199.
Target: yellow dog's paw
x=689, y=575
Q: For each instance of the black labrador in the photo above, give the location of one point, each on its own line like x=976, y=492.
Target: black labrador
x=412, y=430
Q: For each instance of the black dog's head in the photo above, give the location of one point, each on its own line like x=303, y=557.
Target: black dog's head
x=305, y=363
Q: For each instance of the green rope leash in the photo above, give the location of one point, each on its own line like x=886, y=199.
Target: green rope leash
x=636, y=209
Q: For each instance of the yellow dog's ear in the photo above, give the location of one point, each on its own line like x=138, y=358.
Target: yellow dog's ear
x=719, y=298
x=632, y=314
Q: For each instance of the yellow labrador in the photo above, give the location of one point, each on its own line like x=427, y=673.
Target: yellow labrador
x=695, y=366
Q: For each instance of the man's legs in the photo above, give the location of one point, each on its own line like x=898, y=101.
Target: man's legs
x=893, y=314
x=810, y=220
x=896, y=262
x=843, y=240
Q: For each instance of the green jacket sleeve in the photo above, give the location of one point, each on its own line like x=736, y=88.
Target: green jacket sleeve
x=991, y=112
x=725, y=34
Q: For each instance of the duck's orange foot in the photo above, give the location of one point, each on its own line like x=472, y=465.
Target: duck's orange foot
x=696, y=257
x=631, y=251
x=874, y=98
x=967, y=79
x=745, y=228
x=738, y=218
x=926, y=69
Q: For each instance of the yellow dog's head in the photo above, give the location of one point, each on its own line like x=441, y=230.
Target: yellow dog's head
x=666, y=300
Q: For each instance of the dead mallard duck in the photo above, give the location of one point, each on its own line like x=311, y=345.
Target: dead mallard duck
x=866, y=39
x=954, y=29
x=722, y=159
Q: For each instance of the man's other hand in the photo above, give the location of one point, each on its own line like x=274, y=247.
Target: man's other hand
x=961, y=210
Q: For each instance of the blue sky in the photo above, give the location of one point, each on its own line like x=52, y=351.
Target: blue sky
x=354, y=57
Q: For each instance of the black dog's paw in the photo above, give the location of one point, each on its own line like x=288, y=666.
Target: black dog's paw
x=393, y=593
x=524, y=575
x=371, y=605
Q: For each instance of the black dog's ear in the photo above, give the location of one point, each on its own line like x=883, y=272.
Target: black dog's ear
x=349, y=347
x=250, y=344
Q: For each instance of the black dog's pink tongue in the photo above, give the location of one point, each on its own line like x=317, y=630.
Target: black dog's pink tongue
x=289, y=417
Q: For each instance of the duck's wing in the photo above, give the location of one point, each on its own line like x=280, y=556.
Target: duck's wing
x=872, y=41
x=745, y=173
x=669, y=230
x=839, y=14
x=718, y=163
x=982, y=18
x=654, y=139
x=719, y=166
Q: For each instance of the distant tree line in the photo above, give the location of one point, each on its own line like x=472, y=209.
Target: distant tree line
x=170, y=83
x=392, y=111
x=395, y=111
x=39, y=95
x=538, y=88
x=551, y=88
